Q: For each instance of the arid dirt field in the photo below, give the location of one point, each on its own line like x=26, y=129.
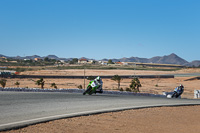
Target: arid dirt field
x=155, y=86
x=153, y=120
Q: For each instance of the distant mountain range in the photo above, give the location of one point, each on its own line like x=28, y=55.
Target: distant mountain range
x=167, y=59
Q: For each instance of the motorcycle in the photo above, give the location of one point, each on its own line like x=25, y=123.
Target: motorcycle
x=175, y=94
x=91, y=88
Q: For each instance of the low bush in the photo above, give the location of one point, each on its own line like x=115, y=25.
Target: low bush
x=128, y=89
x=121, y=89
x=80, y=87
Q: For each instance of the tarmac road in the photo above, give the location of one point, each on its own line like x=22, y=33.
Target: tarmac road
x=19, y=109
x=187, y=75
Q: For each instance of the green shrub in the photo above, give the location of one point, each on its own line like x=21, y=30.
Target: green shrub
x=40, y=82
x=121, y=89
x=20, y=69
x=17, y=84
x=54, y=85
x=135, y=85
x=118, y=79
x=156, y=85
x=128, y=89
x=80, y=87
x=3, y=82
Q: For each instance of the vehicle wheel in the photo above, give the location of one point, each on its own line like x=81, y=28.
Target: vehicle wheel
x=90, y=93
x=88, y=90
x=174, y=95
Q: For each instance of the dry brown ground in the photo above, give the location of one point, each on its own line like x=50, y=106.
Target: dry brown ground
x=152, y=120
x=96, y=72
x=156, y=86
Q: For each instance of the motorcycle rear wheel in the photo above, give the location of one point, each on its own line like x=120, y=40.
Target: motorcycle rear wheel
x=174, y=95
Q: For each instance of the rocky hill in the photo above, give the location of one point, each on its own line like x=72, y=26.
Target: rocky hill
x=167, y=59
x=193, y=63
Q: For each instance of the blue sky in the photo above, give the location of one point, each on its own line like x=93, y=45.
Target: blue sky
x=100, y=28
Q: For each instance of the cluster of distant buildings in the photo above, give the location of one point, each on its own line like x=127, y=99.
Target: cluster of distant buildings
x=4, y=59
x=84, y=61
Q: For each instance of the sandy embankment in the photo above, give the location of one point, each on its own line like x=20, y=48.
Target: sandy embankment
x=152, y=120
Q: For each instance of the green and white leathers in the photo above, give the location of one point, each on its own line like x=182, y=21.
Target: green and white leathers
x=94, y=86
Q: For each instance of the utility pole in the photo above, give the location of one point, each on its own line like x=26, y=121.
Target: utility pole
x=134, y=69
x=84, y=77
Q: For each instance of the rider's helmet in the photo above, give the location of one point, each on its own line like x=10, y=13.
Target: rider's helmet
x=181, y=86
x=98, y=78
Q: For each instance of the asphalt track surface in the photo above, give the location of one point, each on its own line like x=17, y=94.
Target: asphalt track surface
x=19, y=109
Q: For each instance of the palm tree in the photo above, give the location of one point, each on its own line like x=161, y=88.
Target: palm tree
x=3, y=82
x=135, y=84
x=17, y=84
x=54, y=85
x=40, y=82
x=118, y=79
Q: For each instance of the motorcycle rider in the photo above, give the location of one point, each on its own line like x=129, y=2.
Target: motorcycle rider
x=178, y=90
x=99, y=82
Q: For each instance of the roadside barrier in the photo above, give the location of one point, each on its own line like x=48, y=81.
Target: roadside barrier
x=196, y=93
x=5, y=74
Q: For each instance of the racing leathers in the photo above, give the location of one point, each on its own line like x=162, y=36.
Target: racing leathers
x=99, y=83
x=178, y=91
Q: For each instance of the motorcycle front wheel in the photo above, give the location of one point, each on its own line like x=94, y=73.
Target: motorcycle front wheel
x=88, y=90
